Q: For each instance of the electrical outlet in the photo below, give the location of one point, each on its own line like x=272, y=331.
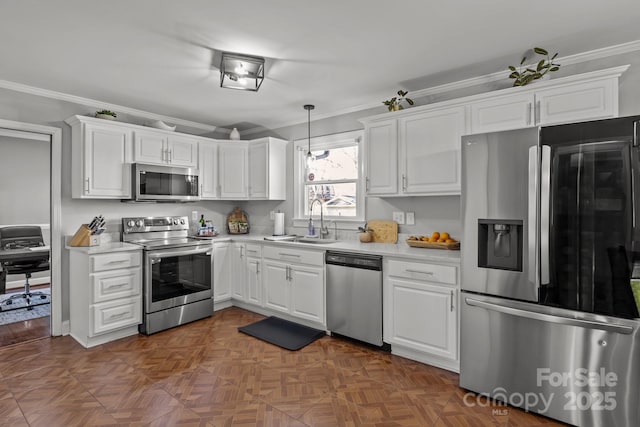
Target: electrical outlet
x=194, y=215
x=398, y=217
x=272, y=215
x=411, y=218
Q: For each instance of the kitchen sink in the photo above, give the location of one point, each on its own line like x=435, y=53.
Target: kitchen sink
x=301, y=239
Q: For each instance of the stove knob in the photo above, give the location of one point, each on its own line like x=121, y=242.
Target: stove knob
x=182, y=221
x=131, y=223
x=139, y=223
x=175, y=221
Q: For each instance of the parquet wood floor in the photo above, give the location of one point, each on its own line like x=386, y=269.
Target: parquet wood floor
x=208, y=374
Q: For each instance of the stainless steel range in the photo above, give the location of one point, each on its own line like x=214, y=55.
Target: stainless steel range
x=177, y=273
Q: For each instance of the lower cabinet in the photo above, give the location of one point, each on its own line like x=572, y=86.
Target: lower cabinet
x=105, y=295
x=293, y=282
x=253, y=274
x=421, y=312
x=222, y=272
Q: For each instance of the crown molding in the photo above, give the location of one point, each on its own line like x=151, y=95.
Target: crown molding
x=32, y=90
x=475, y=81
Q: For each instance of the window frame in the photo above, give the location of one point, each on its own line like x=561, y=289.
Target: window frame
x=319, y=143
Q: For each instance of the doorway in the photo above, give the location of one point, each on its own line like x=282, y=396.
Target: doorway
x=30, y=199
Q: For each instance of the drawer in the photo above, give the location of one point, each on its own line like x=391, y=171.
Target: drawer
x=299, y=256
x=112, y=315
x=114, y=284
x=423, y=271
x=254, y=251
x=114, y=260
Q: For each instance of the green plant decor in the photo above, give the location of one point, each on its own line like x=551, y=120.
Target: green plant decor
x=394, y=104
x=524, y=75
x=106, y=113
x=365, y=229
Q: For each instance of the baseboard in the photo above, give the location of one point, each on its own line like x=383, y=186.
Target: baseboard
x=65, y=328
x=438, y=362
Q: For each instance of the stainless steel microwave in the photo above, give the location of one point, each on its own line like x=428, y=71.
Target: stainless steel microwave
x=165, y=183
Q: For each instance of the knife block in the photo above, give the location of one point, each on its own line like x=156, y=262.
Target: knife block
x=83, y=237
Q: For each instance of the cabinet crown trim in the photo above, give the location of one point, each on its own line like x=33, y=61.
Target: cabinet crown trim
x=613, y=72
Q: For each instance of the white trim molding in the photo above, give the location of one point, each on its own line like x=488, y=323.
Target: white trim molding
x=474, y=81
x=46, y=93
x=55, y=135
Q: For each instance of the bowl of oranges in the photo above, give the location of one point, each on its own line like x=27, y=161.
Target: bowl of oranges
x=436, y=240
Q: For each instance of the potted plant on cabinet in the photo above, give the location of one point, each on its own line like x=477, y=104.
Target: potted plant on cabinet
x=526, y=75
x=394, y=104
x=105, y=114
x=366, y=234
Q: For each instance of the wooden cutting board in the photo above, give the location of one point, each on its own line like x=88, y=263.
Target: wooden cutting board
x=384, y=231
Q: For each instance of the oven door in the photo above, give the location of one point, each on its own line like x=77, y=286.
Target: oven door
x=177, y=276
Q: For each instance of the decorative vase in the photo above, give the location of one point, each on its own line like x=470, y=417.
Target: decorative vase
x=366, y=237
x=235, y=135
x=396, y=107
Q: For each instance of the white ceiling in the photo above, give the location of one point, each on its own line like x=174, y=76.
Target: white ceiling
x=159, y=55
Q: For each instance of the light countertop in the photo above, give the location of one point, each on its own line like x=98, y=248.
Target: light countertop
x=106, y=248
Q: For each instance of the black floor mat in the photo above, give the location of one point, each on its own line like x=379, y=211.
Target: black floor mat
x=282, y=333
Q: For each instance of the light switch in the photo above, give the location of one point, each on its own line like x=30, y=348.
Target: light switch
x=194, y=215
x=411, y=218
x=398, y=217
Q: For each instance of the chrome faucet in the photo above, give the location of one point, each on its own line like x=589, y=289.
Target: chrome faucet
x=323, y=230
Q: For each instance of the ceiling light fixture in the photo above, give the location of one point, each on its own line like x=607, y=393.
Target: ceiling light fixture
x=238, y=71
x=309, y=107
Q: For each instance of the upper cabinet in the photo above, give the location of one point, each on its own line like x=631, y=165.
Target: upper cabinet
x=254, y=170
x=417, y=153
x=587, y=96
x=100, y=158
x=208, y=166
x=164, y=148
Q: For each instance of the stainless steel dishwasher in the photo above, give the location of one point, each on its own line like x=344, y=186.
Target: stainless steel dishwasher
x=354, y=296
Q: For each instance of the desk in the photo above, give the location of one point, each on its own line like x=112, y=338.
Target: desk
x=15, y=254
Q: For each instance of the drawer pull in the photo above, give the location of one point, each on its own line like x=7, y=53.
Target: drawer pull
x=120, y=285
x=452, y=297
x=119, y=315
x=429, y=273
x=118, y=261
x=285, y=254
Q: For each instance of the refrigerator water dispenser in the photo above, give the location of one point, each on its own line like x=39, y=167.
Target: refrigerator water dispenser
x=500, y=244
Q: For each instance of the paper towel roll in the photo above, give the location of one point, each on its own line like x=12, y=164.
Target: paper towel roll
x=278, y=226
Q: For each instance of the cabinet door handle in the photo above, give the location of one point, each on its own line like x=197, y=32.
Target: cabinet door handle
x=538, y=112
x=119, y=285
x=169, y=155
x=429, y=273
x=201, y=189
x=286, y=254
x=452, y=296
x=366, y=184
x=257, y=267
x=86, y=190
x=404, y=182
x=118, y=315
x=118, y=261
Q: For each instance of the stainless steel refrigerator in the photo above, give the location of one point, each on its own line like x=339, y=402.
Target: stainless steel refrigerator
x=551, y=248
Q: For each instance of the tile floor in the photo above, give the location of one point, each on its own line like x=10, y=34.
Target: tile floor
x=209, y=374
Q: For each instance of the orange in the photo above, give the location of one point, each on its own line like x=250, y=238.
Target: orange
x=444, y=235
x=433, y=239
x=450, y=241
x=435, y=235
x=424, y=239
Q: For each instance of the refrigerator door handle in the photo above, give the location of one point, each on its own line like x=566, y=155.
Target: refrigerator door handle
x=531, y=214
x=545, y=212
x=535, y=315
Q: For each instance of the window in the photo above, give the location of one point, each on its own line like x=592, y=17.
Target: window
x=333, y=178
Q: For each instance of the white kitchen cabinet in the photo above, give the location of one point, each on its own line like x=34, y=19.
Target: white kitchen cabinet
x=236, y=260
x=233, y=170
x=222, y=272
x=267, y=169
x=105, y=294
x=590, y=96
x=416, y=153
x=430, y=151
x=208, y=167
x=293, y=282
x=421, y=311
x=253, y=274
x=100, y=159
x=164, y=148
x=381, y=165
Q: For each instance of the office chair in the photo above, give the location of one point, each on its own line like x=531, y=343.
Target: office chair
x=23, y=237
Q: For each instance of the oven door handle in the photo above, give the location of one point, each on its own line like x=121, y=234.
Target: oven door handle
x=164, y=254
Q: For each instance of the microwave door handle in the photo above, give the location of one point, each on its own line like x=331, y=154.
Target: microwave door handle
x=545, y=213
x=532, y=219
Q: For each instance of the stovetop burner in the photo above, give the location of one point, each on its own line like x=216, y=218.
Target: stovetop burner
x=158, y=232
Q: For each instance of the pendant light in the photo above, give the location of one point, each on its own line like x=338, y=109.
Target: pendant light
x=309, y=107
